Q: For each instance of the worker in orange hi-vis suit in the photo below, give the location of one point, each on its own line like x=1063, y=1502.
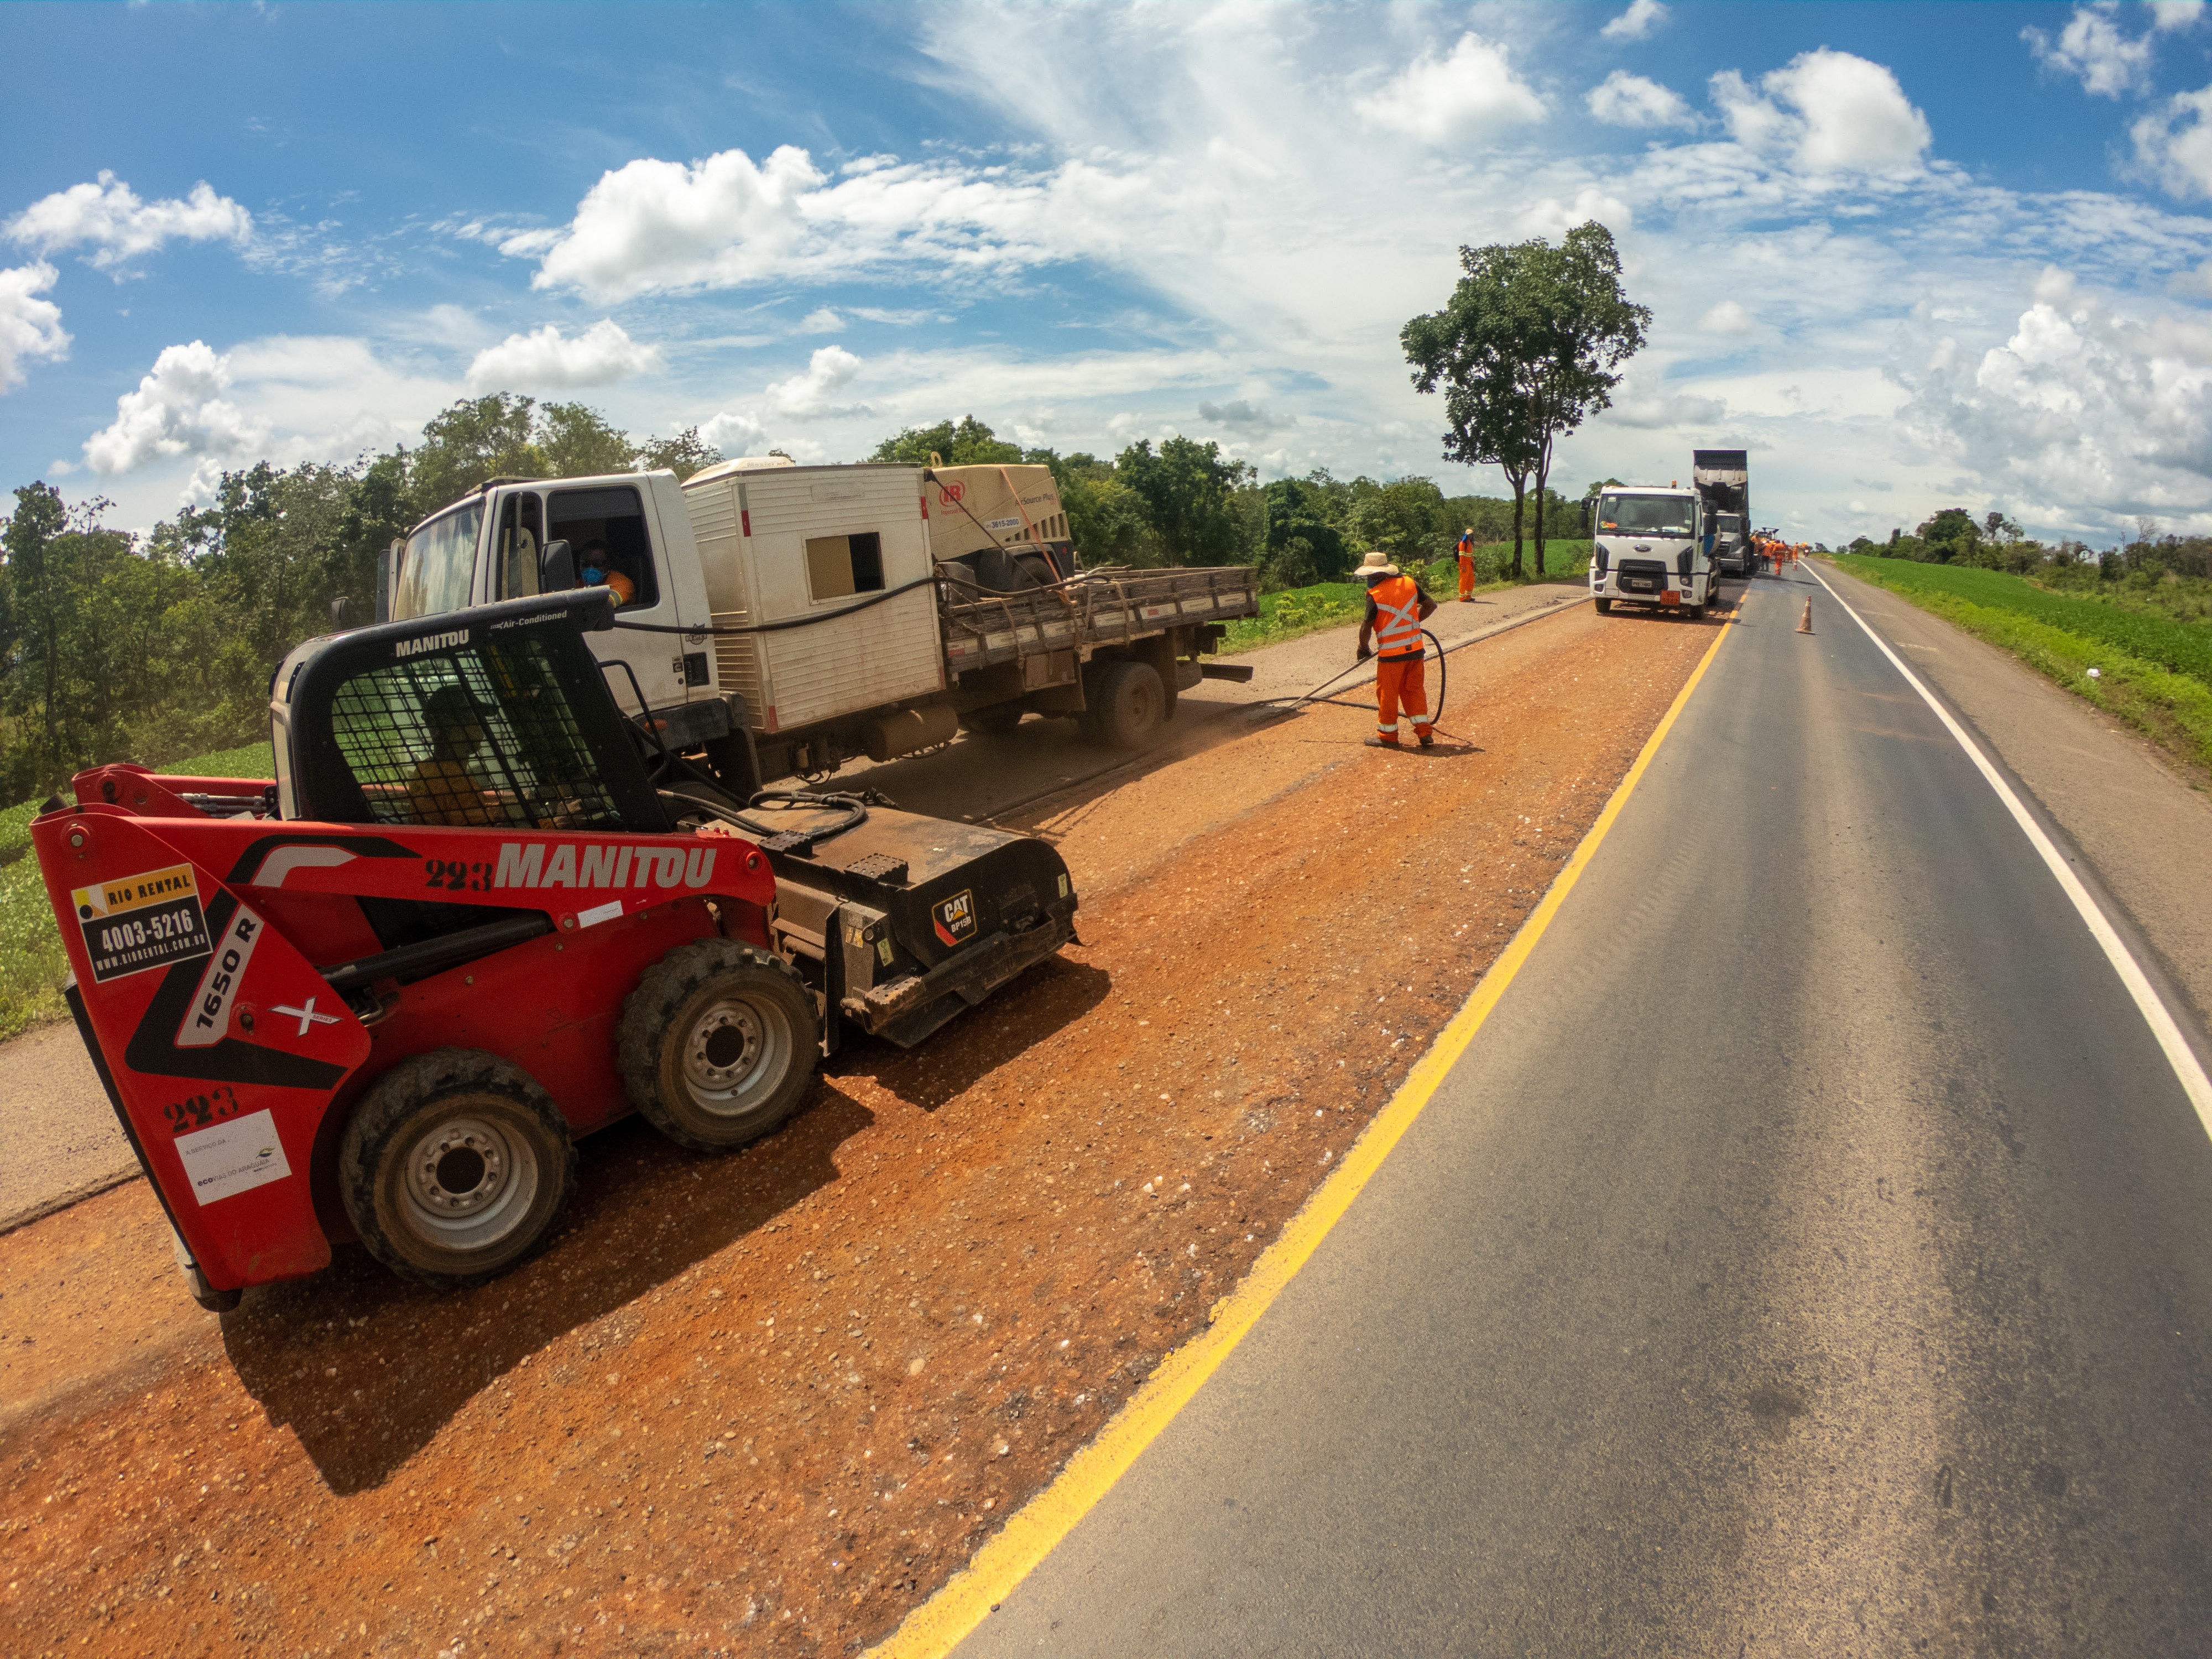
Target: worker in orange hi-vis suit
x=1396, y=608
x=1466, y=566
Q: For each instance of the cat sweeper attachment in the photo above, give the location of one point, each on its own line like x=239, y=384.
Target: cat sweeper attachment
x=477, y=914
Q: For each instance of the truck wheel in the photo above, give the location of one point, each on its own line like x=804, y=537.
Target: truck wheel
x=718, y=1044
x=454, y=1167
x=1129, y=706
x=1696, y=612
x=1605, y=607
x=993, y=720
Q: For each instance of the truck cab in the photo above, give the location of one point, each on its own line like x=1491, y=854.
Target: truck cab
x=514, y=538
x=1649, y=546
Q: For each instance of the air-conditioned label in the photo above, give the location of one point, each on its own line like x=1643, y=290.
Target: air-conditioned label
x=141, y=921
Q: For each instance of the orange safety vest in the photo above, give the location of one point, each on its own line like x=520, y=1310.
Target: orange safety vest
x=1397, y=615
x=1466, y=547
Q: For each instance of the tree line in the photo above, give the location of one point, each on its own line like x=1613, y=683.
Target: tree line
x=154, y=648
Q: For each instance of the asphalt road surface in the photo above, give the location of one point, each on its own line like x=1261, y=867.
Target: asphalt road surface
x=1813, y=1255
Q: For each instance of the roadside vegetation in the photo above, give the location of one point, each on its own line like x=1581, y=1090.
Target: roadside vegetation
x=2135, y=628
x=32, y=964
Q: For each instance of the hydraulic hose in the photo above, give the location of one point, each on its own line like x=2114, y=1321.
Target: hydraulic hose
x=1293, y=704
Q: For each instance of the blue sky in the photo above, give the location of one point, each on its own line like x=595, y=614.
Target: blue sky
x=1913, y=256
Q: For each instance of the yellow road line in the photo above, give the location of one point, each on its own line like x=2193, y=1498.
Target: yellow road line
x=939, y=1626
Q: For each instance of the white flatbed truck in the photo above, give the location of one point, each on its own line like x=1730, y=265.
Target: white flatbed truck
x=784, y=619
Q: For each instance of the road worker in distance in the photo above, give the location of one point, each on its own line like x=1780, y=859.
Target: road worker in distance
x=1396, y=608
x=1466, y=566
x=598, y=570
x=443, y=790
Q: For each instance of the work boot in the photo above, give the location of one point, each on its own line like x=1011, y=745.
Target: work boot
x=1382, y=743
x=1427, y=741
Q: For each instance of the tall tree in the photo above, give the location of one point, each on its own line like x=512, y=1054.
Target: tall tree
x=970, y=443
x=1526, y=349
x=1186, y=488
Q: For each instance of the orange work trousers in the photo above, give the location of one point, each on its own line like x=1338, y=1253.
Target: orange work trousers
x=1467, y=579
x=1399, y=680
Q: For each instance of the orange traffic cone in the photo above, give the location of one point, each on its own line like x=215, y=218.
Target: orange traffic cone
x=1805, y=622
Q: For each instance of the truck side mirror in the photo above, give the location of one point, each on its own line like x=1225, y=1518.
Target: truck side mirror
x=339, y=607
x=557, y=568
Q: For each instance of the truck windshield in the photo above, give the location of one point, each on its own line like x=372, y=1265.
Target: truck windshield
x=1644, y=515
x=436, y=565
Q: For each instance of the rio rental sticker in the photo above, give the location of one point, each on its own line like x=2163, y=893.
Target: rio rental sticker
x=955, y=917
x=141, y=921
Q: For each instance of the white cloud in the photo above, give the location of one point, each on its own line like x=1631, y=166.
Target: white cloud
x=30, y=328
x=2174, y=16
x=735, y=432
x=2087, y=412
x=820, y=320
x=2091, y=48
x=1473, y=93
x=178, y=409
x=812, y=395
x=654, y=224
x=1728, y=317
x=2173, y=144
x=1850, y=115
x=545, y=360
x=1622, y=99
x=1637, y=22
x=110, y=219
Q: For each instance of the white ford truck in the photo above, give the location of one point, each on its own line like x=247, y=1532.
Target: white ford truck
x=1649, y=547
x=780, y=619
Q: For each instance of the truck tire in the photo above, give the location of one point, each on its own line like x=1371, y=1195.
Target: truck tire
x=993, y=719
x=1696, y=612
x=1605, y=607
x=1130, y=704
x=718, y=1044
x=454, y=1167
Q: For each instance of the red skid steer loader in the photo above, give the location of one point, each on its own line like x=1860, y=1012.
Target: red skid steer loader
x=478, y=914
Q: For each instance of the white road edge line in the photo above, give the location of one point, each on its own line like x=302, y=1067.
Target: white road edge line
x=2179, y=1054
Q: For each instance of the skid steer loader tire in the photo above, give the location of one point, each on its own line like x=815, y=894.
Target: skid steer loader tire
x=454, y=1167
x=1130, y=705
x=718, y=1044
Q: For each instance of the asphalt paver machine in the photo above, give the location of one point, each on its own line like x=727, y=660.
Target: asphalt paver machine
x=478, y=914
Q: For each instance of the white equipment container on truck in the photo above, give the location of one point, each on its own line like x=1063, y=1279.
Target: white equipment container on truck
x=1648, y=547
x=785, y=618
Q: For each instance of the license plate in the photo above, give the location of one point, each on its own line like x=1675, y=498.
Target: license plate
x=1641, y=586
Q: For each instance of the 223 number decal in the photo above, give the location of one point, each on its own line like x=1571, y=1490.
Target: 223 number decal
x=200, y=1110
x=457, y=875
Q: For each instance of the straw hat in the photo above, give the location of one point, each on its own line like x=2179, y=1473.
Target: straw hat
x=1376, y=563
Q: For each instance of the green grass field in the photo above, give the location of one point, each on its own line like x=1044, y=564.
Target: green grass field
x=1299, y=610
x=32, y=965
x=2154, y=671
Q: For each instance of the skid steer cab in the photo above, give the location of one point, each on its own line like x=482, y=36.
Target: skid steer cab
x=477, y=914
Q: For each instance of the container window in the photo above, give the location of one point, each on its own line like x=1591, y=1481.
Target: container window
x=838, y=567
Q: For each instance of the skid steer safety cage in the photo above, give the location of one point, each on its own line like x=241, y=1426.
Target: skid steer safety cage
x=482, y=733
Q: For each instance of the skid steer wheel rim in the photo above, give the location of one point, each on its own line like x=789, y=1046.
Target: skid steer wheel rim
x=466, y=1184
x=735, y=1053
